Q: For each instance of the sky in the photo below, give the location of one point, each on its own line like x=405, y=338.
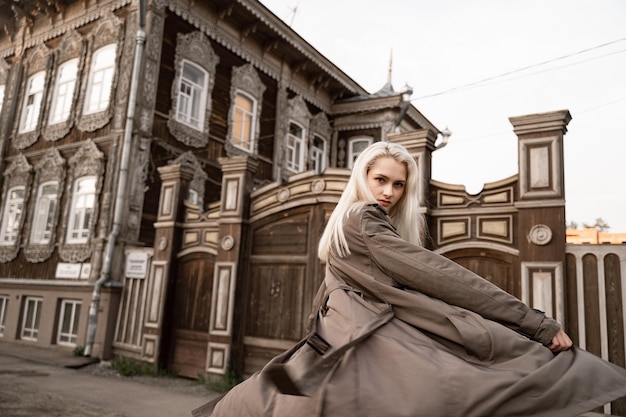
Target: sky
x=473, y=64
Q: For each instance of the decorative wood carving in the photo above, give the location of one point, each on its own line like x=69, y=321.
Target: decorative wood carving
x=200, y=177
x=246, y=79
x=70, y=47
x=88, y=160
x=37, y=60
x=17, y=174
x=108, y=31
x=196, y=48
x=50, y=168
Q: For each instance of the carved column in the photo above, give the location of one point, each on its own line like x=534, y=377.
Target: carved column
x=541, y=209
x=420, y=144
x=174, y=188
x=224, y=341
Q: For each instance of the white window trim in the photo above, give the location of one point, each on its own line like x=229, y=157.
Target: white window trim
x=319, y=156
x=186, y=116
x=71, y=223
x=352, y=154
x=107, y=72
x=69, y=338
x=10, y=213
x=40, y=223
x=63, y=93
x=4, y=302
x=2, y=87
x=252, y=116
x=296, y=162
x=32, y=111
x=31, y=333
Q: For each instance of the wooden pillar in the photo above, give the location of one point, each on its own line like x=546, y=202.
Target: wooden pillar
x=420, y=144
x=227, y=307
x=541, y=210
x=174, y=189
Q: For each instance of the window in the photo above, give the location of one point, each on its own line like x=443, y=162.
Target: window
x=4, y=302
x=191, y=103
x=357, y=146
x=243, y=122
x=68, y=322
x=63, y=91
x=43, y=220
x=30, y=318
x=100, y=80
x=32, y=102
x=81, y=210
x=1, y=97
x=319, y=154
x=295, y=147
x=12, y=216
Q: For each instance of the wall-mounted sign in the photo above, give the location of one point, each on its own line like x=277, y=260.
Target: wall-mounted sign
x=67, y=270
x=136, y=264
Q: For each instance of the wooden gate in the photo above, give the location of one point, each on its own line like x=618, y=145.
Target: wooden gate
x=284, y=274
x=191, y=310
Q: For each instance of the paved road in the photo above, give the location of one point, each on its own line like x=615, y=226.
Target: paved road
x=34, y=383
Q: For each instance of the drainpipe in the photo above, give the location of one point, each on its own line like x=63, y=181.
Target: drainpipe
x=121, y=185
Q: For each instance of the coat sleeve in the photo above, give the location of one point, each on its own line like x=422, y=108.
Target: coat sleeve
x=437, y=276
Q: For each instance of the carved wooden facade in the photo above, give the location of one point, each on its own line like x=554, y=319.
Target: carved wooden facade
x=213, y=265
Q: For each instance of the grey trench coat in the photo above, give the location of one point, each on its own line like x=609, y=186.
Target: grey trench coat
x=398, y=330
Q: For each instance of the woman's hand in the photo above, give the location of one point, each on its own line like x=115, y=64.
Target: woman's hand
x=560, y=342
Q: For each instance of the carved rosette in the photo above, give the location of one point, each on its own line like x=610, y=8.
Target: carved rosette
x=37, y=60
x=50, y=168
x=196, y=48
x=18, y=174
x=88, y=160
x=109, y=31
x=540, y=234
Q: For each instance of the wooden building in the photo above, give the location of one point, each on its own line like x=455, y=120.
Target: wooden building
x=168, y=167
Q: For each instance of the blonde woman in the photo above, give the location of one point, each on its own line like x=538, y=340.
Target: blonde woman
x=398, y=330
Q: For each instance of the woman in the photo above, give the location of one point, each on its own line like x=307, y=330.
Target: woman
x=400, y=331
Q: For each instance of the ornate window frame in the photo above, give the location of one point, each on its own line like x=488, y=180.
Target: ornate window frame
x=108, y=32
x=87, y=161
x=18, y=174
x=71, y=47
x=195, y=48
x=51, y=168
x=352, y=153
x=322, y=130
x=298, y=114
x=245, y=81
x=38, y=60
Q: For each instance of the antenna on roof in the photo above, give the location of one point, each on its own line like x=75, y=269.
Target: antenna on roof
x=390, y=66
x=293, y=16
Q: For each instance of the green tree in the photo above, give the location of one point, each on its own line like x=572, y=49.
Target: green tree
x=600, y=225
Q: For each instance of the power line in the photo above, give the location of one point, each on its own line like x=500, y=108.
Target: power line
x=506, y=74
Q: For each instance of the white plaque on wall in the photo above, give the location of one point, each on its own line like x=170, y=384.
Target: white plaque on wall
x=136, y=264
x=67, y=270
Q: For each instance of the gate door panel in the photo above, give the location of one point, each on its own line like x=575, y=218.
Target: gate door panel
x=191, y=311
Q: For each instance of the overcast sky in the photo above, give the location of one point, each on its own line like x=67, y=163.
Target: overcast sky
x=472, y=64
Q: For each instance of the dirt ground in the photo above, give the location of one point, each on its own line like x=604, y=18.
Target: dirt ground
x=30, y=389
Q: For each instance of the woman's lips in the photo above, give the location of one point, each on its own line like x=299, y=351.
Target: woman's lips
x=384, y=203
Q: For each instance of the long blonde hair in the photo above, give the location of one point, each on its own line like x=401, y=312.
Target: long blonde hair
x=405, y=215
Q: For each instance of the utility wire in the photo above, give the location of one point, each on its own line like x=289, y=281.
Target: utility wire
x=506, y=74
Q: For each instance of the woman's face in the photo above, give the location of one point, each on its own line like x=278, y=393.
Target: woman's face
x=386, y=180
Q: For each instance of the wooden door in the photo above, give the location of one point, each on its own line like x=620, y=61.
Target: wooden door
x=191, y=310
